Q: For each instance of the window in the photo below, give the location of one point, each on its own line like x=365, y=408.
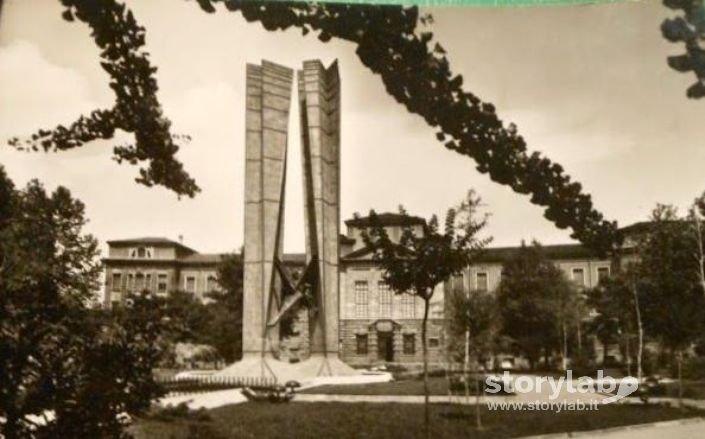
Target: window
x=361, y=299
x=141, y=253
x=117, y=282
x=385, y=300
x=409, y=344
x=408, y=306
x=162, y=284
x=139, y=282
x=190, y=284
x=361, y=344
x=458, y=282
x=211, y=283
x=148, y=282
x=130, y=282
x=433, y=342
x=602, y=273
x=579, y=276
x=481, y=281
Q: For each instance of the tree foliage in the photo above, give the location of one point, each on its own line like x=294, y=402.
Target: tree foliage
x=535, y=300
x=477, y=313
x=63, y=373
x=390, y=41
x=689, y=30
x=224, y=326
x=137, y=110
x=216, y=322
x=669, y=285
x=613, y=304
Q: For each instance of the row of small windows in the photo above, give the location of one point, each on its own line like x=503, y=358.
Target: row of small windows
x=143, y=281
x=142, y=253
x=408, y=344
x=385, y=300
x=577, y=276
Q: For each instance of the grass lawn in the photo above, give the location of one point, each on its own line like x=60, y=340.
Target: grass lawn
x=391, y=421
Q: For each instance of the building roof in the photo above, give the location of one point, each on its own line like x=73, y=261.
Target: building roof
x=501, y=254
x=214, y=258
x=647, y=226
x=638, y=227
x=148, y=240
x=556, y=251
x=387, y=219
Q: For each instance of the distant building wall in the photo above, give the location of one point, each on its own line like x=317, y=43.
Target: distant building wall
x=375, y=325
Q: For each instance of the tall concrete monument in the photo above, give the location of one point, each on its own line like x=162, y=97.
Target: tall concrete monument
x=269, y=292
x=267, y=121
x=319, y=104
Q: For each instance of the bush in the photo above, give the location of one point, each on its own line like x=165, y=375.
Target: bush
x=181, y=412
x=693, y=368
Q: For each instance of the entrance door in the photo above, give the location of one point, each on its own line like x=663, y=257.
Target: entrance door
x=385, y=346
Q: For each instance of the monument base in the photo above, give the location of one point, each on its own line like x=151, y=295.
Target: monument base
x=305, y=371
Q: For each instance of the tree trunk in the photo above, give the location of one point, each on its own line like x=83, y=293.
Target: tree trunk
x=580, y=338
x=424, y=347
x=466, y=365
x=478, y=418
x=680, y=378
x=564, y=347
x=640, y=333
x=628, y=350
x=449, y=369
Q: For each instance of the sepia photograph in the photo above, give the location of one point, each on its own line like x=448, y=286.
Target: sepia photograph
x=366, y=219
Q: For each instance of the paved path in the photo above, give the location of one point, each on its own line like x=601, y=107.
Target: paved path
x=677, y=429
x=689, y=430
x=209, y=400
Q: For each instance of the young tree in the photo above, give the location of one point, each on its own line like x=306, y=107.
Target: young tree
x=695, y=216
x=534, y=300
x=54, y=358
x=224, y=327
x=672, y=300
x=473, y=319
x=420, y=262
x=617, y=315
x=188, y=316
x=567, y=312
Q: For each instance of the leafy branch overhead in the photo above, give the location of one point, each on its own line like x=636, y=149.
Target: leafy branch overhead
x=688, y=29
x=137, y=109
x=412, y=66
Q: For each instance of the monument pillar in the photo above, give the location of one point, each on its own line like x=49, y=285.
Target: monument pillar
x=319, y=104
x=267, y=117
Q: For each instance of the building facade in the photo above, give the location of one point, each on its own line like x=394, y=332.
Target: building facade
x=160, y=265
x=375, y=325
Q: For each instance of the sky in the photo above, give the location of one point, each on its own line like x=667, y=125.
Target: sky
x=588, y=86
